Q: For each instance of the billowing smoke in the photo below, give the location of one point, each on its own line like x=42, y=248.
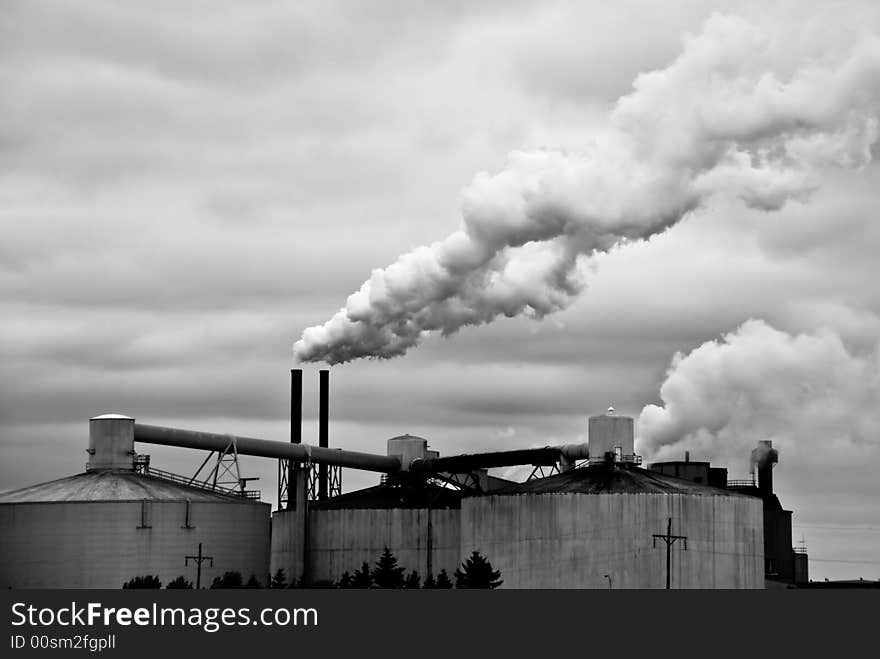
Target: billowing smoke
x=808, y=394
x=727, y=116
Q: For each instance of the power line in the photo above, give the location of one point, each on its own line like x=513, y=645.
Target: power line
x=835, y=528
x=840, y=560
x=669, y=539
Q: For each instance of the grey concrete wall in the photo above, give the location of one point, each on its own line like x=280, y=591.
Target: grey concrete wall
x=99, y=544
x=574, y=540
x=341, y=540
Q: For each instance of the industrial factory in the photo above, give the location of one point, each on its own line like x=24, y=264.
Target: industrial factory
x=589, y=516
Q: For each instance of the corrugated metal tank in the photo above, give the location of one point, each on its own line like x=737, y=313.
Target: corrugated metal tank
x=102, y=528
x=571, y=530
x=346, y=531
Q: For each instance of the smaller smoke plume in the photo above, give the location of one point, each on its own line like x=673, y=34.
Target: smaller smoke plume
x=725, y=117
x=763, y=455
x=805, y=393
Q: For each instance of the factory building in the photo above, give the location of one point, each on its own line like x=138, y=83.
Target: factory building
x=598, y=520
x=596, y=525
x=603, y=526
x=420, y=523
x=783, y=563
x=101, y=528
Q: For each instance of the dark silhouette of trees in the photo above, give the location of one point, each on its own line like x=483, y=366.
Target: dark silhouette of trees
x=443, y=580
x=228, y=580
x=345, y=580
x=412, y=580
x=253, y=582
x=362, y=578
x=477, y=572
x=387, y=574
x=145, y=581
x=179, y=583
x=279, y=580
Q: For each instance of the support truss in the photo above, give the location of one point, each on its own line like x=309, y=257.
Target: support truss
x=542, y=471
x=224, y=474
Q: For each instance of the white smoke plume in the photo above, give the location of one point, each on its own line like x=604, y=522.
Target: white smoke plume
x=806, y=393
x=727, y=116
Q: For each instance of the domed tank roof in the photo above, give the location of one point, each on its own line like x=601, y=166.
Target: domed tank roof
x=399, y=495
x=612, y=479
x=408, y=436
x=107, y=485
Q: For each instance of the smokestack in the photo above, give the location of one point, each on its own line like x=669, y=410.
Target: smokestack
x=323, y=429
x=764, y=457
x=296, y=407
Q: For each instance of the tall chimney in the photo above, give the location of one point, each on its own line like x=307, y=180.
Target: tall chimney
x=764, y=457
x=323, y=429
x=296, y=407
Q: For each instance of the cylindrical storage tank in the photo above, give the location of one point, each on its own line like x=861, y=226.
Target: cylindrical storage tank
x=419, y=524
x=599, y=527
x=610, y=433
x=111, y=442
x=102, y=528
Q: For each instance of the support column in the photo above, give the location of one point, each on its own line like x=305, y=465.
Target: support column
x=300, y=530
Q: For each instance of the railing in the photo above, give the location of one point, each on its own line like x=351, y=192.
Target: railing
x=799, y=550
x=750, y=482
x=183, y=480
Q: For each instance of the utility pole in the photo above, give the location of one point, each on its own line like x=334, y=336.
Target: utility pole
x=669, y=539
x=198, y=561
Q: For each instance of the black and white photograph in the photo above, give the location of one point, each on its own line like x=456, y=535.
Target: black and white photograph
x=502, y=295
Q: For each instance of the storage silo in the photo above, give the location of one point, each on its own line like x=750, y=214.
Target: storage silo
x=604, y=526
x=101, y=528
x=416, y=519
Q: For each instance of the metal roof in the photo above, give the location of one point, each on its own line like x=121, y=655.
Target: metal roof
x=113, y=486
x=612, y=479
x=397, y=495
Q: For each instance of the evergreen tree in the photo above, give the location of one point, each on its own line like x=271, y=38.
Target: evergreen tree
x=145, y=581
x=387, y=574
x=362, y=578
x=253, y=582
x=179, y=582
x=443, y=580
x=412, y=580
x=477, y=573
x=345, y=580
x=429, y=582
x=279, y=580
x=228, y=580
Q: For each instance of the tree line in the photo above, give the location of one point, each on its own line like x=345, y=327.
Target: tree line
x=475, y=573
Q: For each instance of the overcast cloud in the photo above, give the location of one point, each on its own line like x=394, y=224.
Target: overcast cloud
x=185, y=189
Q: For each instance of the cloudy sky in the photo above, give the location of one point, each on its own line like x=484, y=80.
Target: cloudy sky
x=186, y=187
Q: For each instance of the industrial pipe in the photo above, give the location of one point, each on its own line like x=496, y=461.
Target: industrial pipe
x=207, y=441
x=545, y=456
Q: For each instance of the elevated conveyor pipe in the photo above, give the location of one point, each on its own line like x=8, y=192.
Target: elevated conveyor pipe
x=207, y=441
x=544, y=456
